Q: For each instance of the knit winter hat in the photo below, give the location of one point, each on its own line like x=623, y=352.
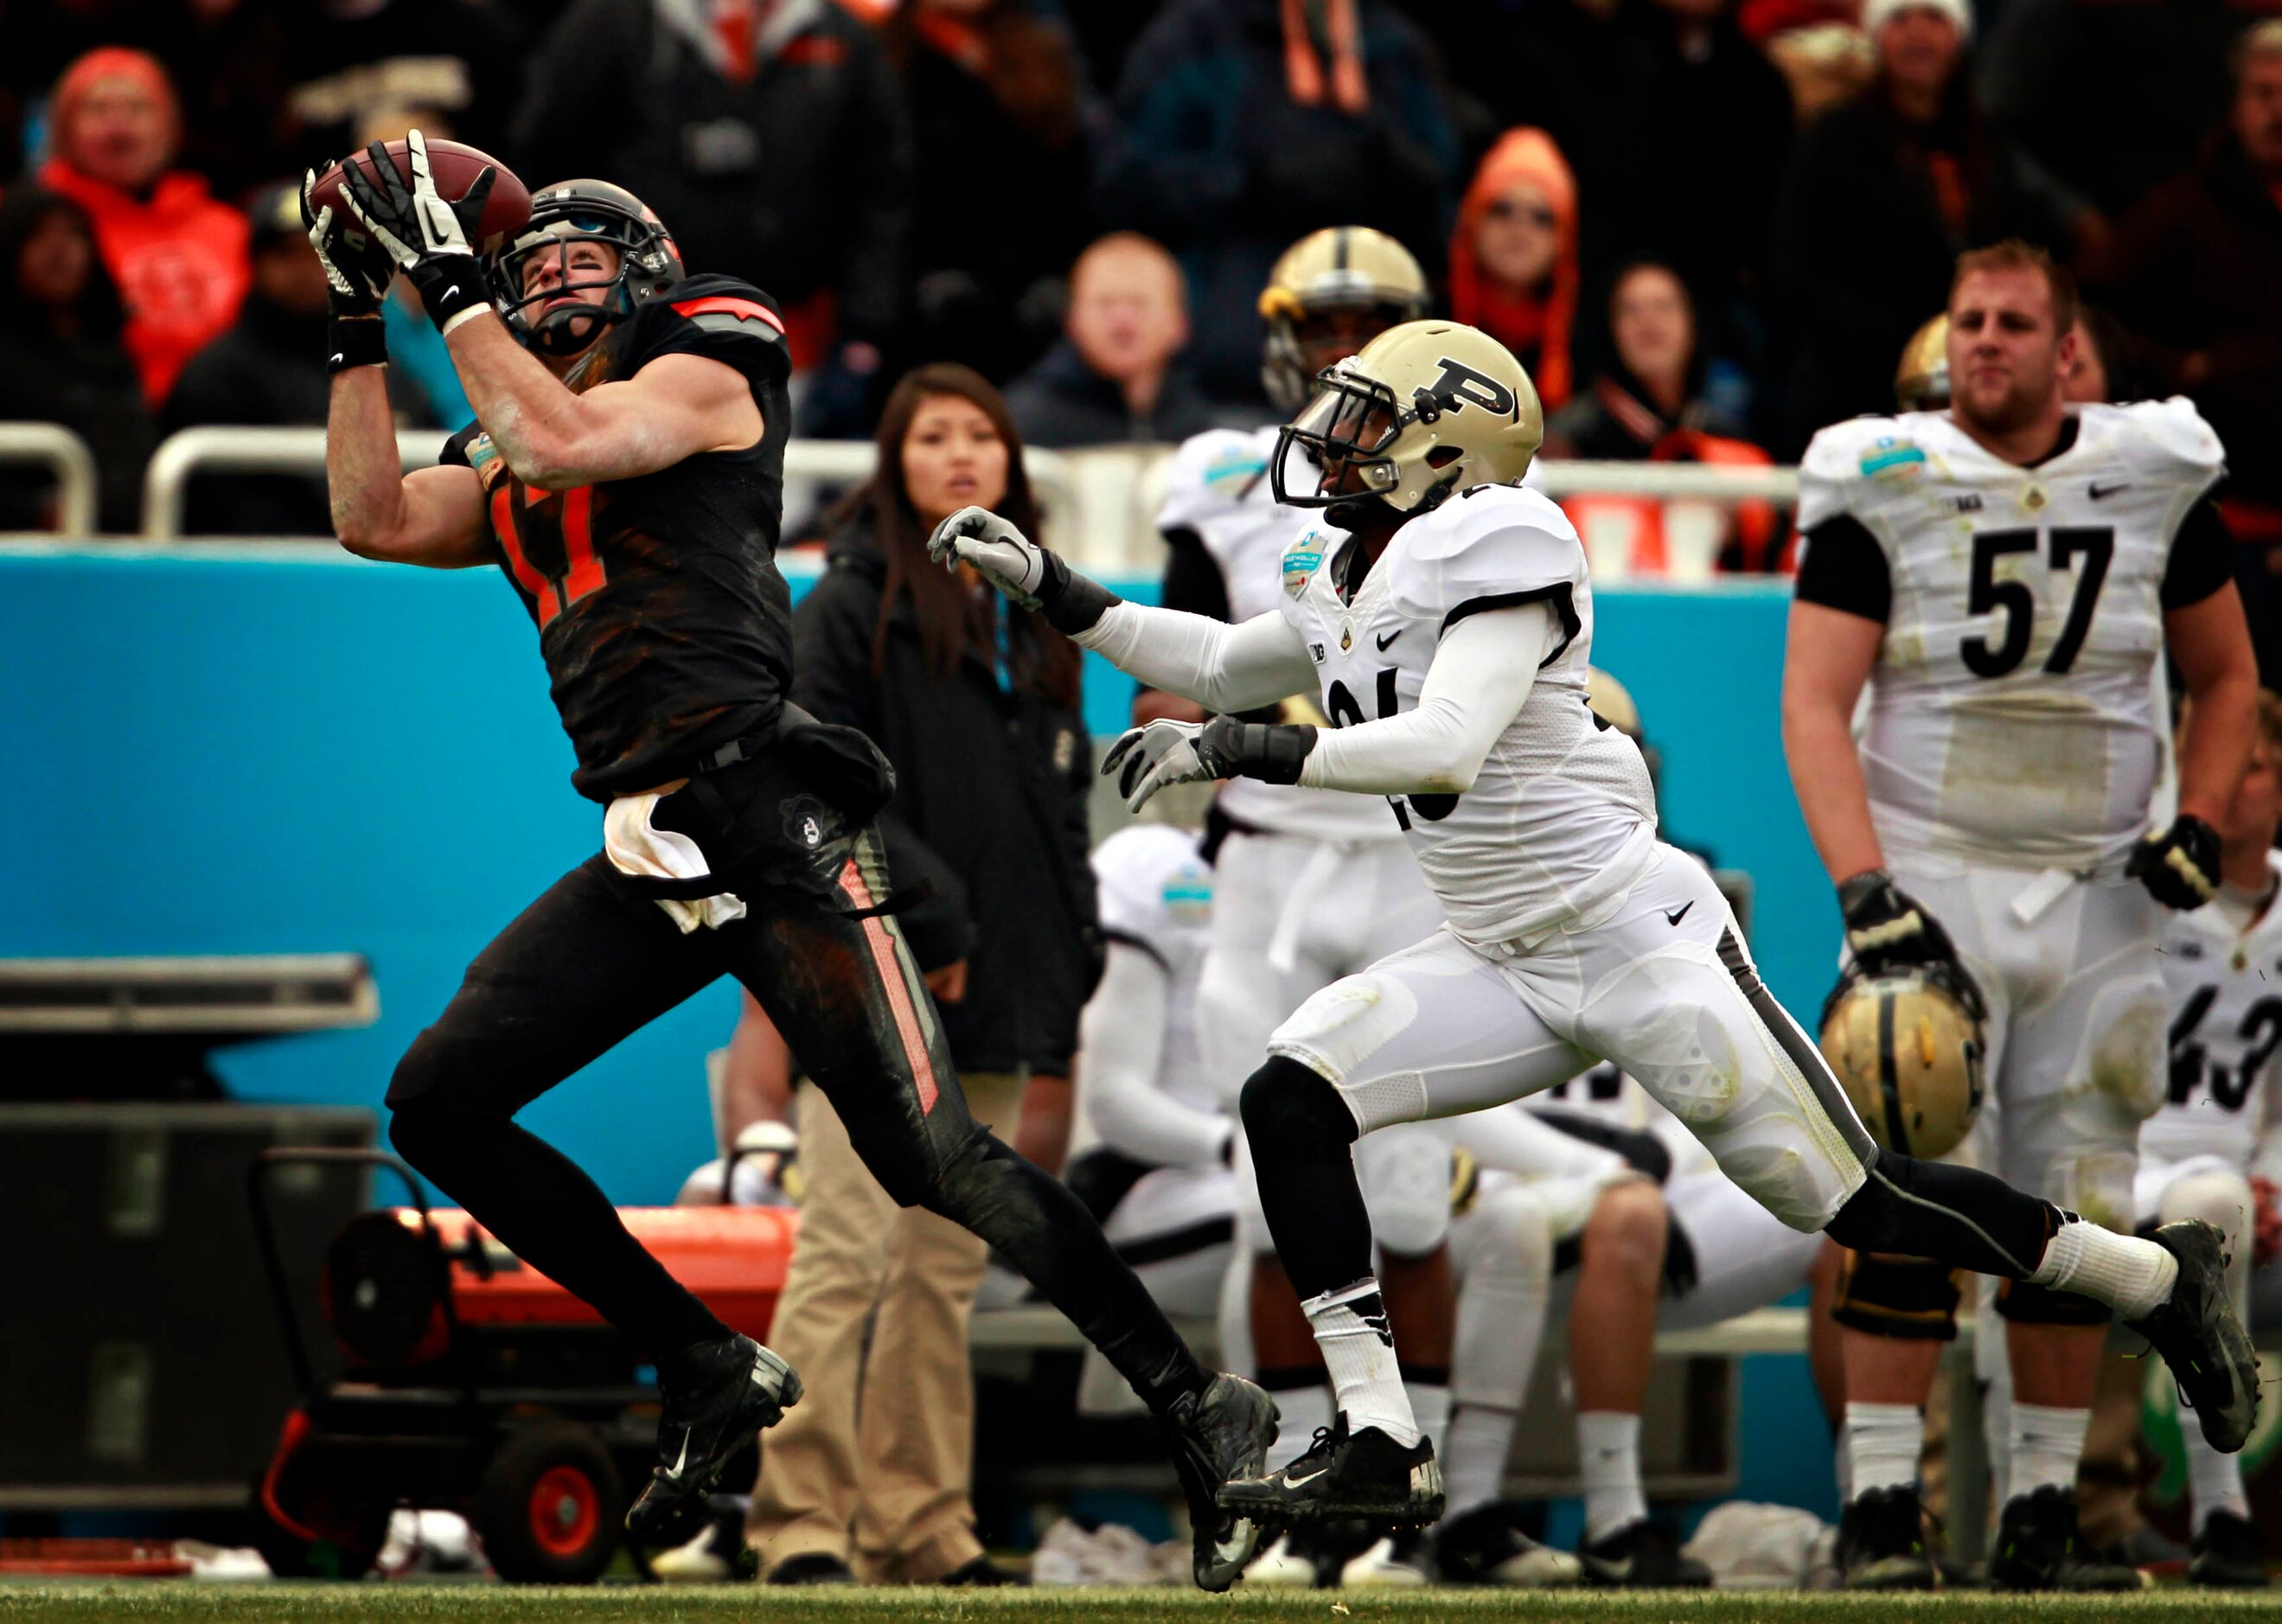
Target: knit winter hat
x=1877, y=13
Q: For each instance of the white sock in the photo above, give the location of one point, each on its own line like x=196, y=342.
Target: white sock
x=2214, y=1480
x=1883, y=1443
x=1430, y=1404
x=1351, y=1328
x=1474, y=1454
x=2132, y=1276
x=2044, y=1443
x=1303, y=1409
x=1608, y=1451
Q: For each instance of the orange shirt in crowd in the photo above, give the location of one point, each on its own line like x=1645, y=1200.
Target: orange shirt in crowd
x=1536, y=326
x=179, y=257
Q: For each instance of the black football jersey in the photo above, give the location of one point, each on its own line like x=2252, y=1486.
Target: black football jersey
x=664, y=623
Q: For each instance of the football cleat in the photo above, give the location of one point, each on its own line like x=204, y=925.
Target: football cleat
x=2039, y=1547
x=719, y=1396
x=1881, y=1543
x=1363, y=1474
x=2229, y=1555
x=2201, y=1338
x=1486, y=1546
x=1640, y=1556
x=1216, y=1434
x=1397, y=1561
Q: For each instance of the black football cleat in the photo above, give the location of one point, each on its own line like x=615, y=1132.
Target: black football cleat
x=719, y=1396
x=2040, y=1547
x=1487, y=1547
x=2201, y=1338
x=1881, y=1543
x=1219, y=1433
x=2229, y=1555
x=1364, y=1474
x=1640, y=1556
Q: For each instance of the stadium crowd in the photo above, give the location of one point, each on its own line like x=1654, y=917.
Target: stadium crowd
x=1707, y=228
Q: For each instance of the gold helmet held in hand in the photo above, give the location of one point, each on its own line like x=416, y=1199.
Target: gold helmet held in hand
x=1921, y=380
x=1427, y=408
x=1909, y=1052
x=1331, y=292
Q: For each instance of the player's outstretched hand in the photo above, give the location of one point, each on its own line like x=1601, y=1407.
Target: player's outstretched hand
x=1888, y=928
x=1000, y=553
x=2179, y=867
x=355, y=283
x=429, y=237
x=1148, y=757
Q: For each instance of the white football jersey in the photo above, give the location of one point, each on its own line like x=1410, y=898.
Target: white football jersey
x=2224, y=972
x=1218, y=487
x=1157, y=894
x=1561, y=815
x=2013, y=720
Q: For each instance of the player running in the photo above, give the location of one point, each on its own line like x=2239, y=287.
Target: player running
x=1449, y=628
x=625, y=470
x=2006, y=578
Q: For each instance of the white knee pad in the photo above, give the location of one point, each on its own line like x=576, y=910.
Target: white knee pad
x=1405, y=1174
x=1504, y=1248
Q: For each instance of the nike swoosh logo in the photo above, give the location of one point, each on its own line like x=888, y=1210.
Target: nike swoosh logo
x=451, y=292
x=336, y=360
x=2099, y=493
x=1674, y=915
x=1389, y=638
x=1292, y=1482
x=680, y=1460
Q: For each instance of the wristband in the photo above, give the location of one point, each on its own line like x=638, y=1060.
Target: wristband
x=1072, y=603
x=355, y=341
x=452, y=287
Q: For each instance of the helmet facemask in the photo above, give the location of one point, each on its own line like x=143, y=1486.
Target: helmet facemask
x=647, y=264
x=1356, y=423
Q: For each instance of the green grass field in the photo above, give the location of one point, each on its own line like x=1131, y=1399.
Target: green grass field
x=92, y=1603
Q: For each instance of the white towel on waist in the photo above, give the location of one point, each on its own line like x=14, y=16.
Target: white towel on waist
x=637, y=848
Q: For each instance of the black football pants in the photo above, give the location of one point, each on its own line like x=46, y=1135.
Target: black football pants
x=596, y=958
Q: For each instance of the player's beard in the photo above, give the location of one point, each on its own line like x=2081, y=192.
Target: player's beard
x=2009, y=411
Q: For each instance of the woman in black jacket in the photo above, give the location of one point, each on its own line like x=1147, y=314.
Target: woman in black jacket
x=976, y=705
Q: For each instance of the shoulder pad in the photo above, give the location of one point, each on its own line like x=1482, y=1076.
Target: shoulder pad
x=1493, y=541
x=2167, y=437
x=1150, y=877
x=1853, y=460
x=1209, y=474
x=718, y=317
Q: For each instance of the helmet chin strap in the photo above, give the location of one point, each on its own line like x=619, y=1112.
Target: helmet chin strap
x=557, y=333
x=1353, y=512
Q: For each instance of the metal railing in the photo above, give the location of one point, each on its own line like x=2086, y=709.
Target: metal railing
x=66, y=456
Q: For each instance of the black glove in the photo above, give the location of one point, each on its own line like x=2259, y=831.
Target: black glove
x=1160, y=753
x=2179, y=867
x=356, y=280
x=1887, y=928
x=430, y=238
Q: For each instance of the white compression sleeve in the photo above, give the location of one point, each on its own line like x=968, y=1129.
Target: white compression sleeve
x=1224, y=668
x=1481, y=674
x=1122, y=1037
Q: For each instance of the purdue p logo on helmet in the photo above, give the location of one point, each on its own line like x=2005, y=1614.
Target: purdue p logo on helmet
x=1426, y=408
x=1909, y=1054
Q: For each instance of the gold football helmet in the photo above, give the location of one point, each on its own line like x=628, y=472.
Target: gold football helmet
x=1909, y=1052
x=1341, y=270
x=1921, y=380
x=1426, y=408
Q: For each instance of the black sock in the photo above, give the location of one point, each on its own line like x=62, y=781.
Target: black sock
x=1956, y=1216
x=554, y=1218
x=1037, y=1225
x=1303, y=1136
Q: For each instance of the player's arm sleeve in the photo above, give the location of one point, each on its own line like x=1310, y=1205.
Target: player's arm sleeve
x=1481, y=674
x=2201, y=560
x=1226, y=668
x=1842, y=566
x=1122, y=1038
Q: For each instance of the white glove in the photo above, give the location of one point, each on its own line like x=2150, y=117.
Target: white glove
x=1001, y=554
x=354, y=290
x=1159, y=753
x=423, y=232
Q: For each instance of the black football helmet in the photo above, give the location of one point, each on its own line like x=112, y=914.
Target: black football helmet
x=574, y=211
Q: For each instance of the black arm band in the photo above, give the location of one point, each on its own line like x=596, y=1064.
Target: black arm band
x=1072, y=603
x=356, y=341
x=1270, y=751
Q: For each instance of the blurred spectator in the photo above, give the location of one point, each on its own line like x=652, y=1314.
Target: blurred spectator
x=2056, y=74
x=1649, y=407
x=976, y=703
x=1825, y=63
x=1117, y=378
x=268, y=370
x=773, y=143
x=177, y=255
x=351, y=63
x=1243, y=124
x=1883, y=193
x=1513, y=263
x=1001, y=119
x=62, y=360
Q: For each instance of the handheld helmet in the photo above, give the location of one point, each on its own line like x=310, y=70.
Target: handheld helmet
x=1340, y=269
x=1921, y=380
x=1426, y=408
x=582, y=211
x=1909, y=1052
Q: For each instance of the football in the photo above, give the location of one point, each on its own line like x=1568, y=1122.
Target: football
x=455, y=167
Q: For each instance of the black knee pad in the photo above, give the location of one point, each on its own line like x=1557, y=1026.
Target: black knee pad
x=2025, y=1304
x=1284, y=1101
x=1910, y=1299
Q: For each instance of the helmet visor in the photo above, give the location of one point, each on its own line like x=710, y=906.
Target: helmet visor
x=1344, y=434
